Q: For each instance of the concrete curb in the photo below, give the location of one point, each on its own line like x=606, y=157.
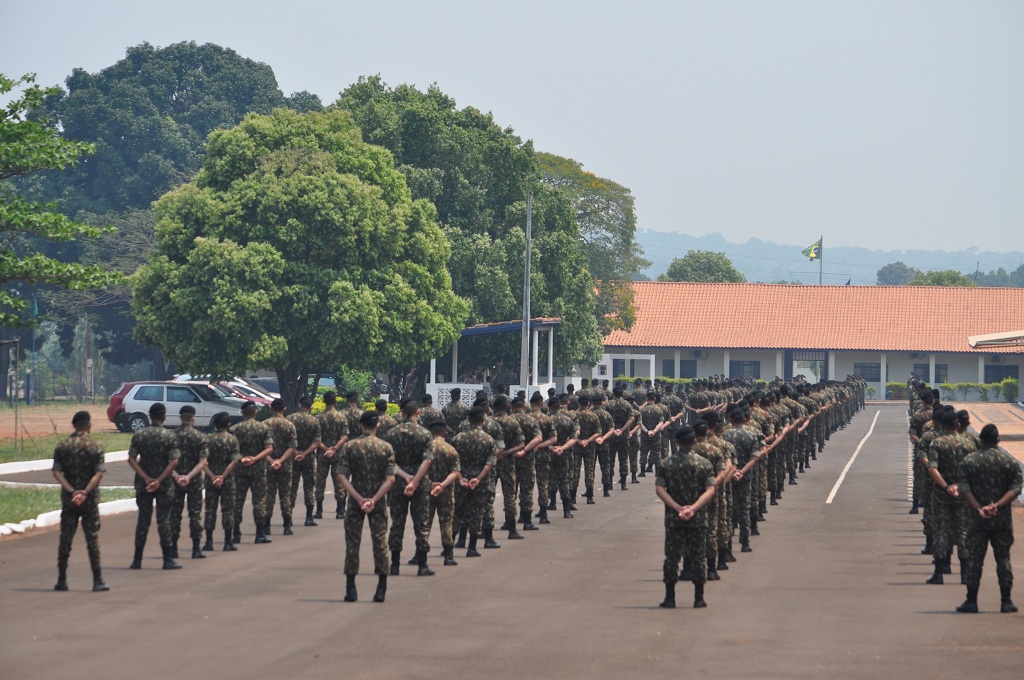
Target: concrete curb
x=20, y=466
x=52, y=518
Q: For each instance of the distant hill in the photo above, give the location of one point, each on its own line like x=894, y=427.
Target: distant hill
x=766, y=261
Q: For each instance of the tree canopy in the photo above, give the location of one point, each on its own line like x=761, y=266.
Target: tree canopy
x=944, y=277
x=27, y=146
x=896, y=274
x=703, y=266
x=298, y=246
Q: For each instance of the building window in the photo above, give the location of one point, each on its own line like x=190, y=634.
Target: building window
x=998, y=373
x=745, y=369
x=923, y=372
x=869, y=372
x=668, y=368
x=688, y=368
x=618, y=368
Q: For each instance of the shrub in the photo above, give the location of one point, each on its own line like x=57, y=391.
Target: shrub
x=1011, y=389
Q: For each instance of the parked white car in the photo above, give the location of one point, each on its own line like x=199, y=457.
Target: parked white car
x=206, y=400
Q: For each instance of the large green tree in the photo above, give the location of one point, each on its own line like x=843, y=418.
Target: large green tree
x=703, y=266
x=298, y=246
x=896, y=274
x=479, y=175
x=942, y=277
x=28, y=146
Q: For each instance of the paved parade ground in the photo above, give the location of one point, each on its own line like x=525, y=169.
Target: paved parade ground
x=832, y=590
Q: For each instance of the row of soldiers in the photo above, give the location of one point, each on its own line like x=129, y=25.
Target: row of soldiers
x=963, y=486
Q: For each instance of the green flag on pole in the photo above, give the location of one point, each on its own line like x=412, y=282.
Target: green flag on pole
x=813, y=251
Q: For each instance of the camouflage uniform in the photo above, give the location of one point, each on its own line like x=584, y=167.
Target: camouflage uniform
x=307, y=431
x=724, y=496
x=279, y=481
x=542, y=462
x=333, y=426
x=651, y=416
x=154, y=447
x=412, y=444
x=603, y=450
x=620, y=411
x=586, y=457
x=512, y=435
x=675, y=407
x=685, y=476
x=747, y=445
x=384, y=424
x=367, y=462
x=192, y=446
x=526, y=467
x=455, y=413
x=79, y=458
x=445, y=461
x=948, y=525
x=223, y=449
x=253, y=436
x=988, y=474
x=634, y=442
x=565, y=429
x=475, y=449
x=713, y=455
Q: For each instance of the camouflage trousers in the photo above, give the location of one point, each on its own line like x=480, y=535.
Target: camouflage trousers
x=634, y=454
x=587, y=459
x=164, y=499
x=506, y=470
x=741, y=507
x=491, y=494
x=560, y=475
x=306, y=472
x=279, y=486
x=89, y=513
x=192, y=496
x=607, y=464
x=225, y=496
x=979, y=534
x=417, y=505
x=772, y=469
x=761, y=490
x=690, y=542
x=526, y=477
x=620, y=451
x=469, y=506
x=711, y=530
x=378, y=519
x=443, y=506
x=948, y=526
x=724, y=500
x=252, y=478
x=326, y=467
x=542, y=463
x=650, y=452
x=921, y=480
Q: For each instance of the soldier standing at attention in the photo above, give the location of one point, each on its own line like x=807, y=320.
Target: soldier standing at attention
x=477, y=451
x=989, y=481
x=747, y=445
x=254, y=445
x=412, y=448
x=512, y=436
x=622, y=419
x=455, y=412
x=427, y=411
x=78, y=467
x=585, y=455
x=542, y=458
x=222, y=447
x=307, y=436
x=385, y=422
x=189, y=486
x=566, y=431
x=333, y=435
x=366, y=470
x=526, y=470
x=602, y=444
x=948, y=528
x=444, y=472
x=685, y=484
x=153, y=454
x=279, y=472
x=652, y=420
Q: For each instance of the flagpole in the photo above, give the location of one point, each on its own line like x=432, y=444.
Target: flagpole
x=821, y=252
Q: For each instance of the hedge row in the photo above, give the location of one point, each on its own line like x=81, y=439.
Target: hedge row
x=1008, y=389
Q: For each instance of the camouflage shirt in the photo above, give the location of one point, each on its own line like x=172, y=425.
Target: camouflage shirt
x=476, y=449
x=412, y=444
x=988, y=474
x=283, y=433
x=79, y=457
x=352, y=415
x=154, y=448
x=529, y=425
x=606, y=422
x=333, y=426
x=620, y=411
x=651, y=416
x=307, y=429
x=367, y=462
x=565, y=427
x=192, y=446
x=712, y=453
x=745, y=442
x=946, y=453
x=685, y=476
x=547, y=431
x=384, y=424
x=511, y=433
x=455, y=413
x=444, y=462
x=223, y=448
x=253, y=436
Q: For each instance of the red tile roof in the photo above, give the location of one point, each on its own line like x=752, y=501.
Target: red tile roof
x=774, y=316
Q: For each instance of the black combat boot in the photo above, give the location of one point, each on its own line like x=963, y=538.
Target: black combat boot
x=698, y=596
x=686, y=574
x=237, y=535
x=350, y=588
x=914, y=506
x=414, y=560
x=319, y=514
x=542, y=516
x=382, y=588
x=197, y=552
x=775, y=498
x=287, y=531
x=643, y=473
x=729, y=557
x=1006, y=605
x=489, y=541
x=137, y=560
x=449, y=558
x=424, y=570
x=936, y=578
x=622, y=483
x=927, y=549
x=169, y=561
x=229, y=545
x=527, y=522
x=970, y=605
x=261, y=533
x=607, y=490
x=946, y=566
x=723, y=562
x=792, y=479
x=396, y=556
x=461, y=542
x=590, y=495
x=670, y=597
x=510, y=522
x=553, y=505
x=62, y=576
x=310, y=522
x=472, y=551
x=208, y=546
x=174, y=550
x=713, y=569
x=634, y=480
x=98, y=584
x=266, y=527
x=340, y=513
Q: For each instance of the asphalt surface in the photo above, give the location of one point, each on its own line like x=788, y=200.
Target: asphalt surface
x=831, y=591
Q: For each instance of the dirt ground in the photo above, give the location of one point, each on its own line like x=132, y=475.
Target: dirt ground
x=48, y=417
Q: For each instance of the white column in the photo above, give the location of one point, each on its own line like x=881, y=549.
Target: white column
x=675, y=368
x=931, y=369
x=455, y=363
x=725, y=364
x=654, y=360
x=831, y=365
x=551, y=354
x=981, y=368
x=884, y=377
x=536, y=357
x=778, y=365
x=433, y=370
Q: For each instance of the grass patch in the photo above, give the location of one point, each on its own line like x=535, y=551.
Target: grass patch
x=41, y=447
x=17, y=505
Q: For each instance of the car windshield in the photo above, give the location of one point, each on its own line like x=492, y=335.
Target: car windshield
x=208, y=392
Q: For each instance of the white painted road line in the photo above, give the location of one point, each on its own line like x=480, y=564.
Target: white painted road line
x=849, y=463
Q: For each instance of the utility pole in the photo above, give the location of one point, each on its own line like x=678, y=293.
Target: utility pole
x=524, y=357
x=821, y=253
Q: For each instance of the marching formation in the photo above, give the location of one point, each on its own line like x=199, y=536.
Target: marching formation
x=720, y=453
x=963, y=487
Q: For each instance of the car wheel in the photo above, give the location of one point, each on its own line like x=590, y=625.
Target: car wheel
x=137, y=421
x=121, y=422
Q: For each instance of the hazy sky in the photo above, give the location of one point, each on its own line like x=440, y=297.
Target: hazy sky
x=879, y=124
